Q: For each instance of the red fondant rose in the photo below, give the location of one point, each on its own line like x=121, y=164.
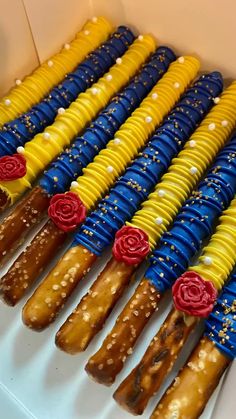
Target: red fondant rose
x=12, y=167
x=193, y=295
x=67, y=211
x=131, y=245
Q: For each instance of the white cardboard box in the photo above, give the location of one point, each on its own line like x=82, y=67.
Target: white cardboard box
x=36, y=379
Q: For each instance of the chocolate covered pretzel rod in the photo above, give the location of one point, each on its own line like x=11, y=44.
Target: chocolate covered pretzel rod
x=70, y=163
x=17, y=132
x=37, y=85
x=44, y=147
x=174, y=188
x=189, y=393
x=131, y=137
x=199, y=304
x=100, y=228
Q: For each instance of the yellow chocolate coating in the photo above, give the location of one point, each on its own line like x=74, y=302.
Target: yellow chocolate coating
x=35, y=86
x=162, y=205
x=44, y=147
x=110, y=163
x=221, y=250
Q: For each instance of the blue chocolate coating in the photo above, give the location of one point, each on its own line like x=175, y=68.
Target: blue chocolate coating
x=134, y=186
x=220, y=326
x=17, y=132
x=195, y=221
x=68, y=166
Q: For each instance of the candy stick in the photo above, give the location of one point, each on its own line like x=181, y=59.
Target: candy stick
x=70, y=163
x=34, y=87
x=132, y=135
x=175, y=187
x=207, y=363
x=44, y=147
x=177, y=247
x=100, y=228
x=16, y=133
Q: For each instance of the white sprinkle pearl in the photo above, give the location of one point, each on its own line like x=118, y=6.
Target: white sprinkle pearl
x=181, y=60
x=60, y=111
x=176, y=85
x=140, y=37
x=86, y=32
x=118, y=60
x=207, y=260
x=20, y=150
x=110, y=169
x=161, y=193
x=74, y=184
x=7, y=102
x=158, y=220
x=109, y=77
x=94, y=19
x=46, y=135
x=148, y=119
x=224, y=123
x=50, y=63
x=94, y=91
x=117, y=141
x=193, y=170
x=192, y=143
x=18, y=82
x=216, y=100
x=211, y=126
x=154, y=96
x=67, y=46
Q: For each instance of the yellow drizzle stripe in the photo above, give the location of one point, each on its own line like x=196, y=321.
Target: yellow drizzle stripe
x=35, y=86
x=39, y=152
x=186, y=170
x=221, y=249
x=99, y=175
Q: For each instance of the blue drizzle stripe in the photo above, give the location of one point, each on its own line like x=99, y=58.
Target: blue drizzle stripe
x=17, y=132
x=220, y=326
x=135, y=185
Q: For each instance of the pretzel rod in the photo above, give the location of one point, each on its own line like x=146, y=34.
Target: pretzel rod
x=96, y=172
x=44, y=147
x=21, y=275
x=51, y=295
x=109, y=360
x=146, y=378
x=70, y=163
x=28, y=212
x=35, y=86
x=16, y=133
x=75, y=335
x=129, y=185
x=170, y=252
x=145, y=218
x=192, y=388
x=206, y=364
